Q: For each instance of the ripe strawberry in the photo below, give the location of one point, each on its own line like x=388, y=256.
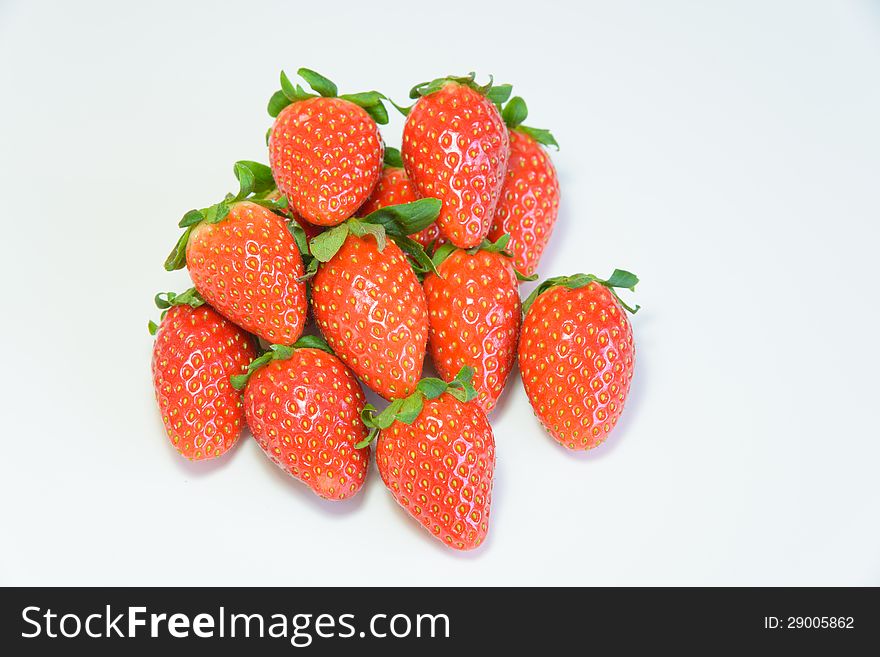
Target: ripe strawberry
x=474, y=314
x=325, y=151
x=529, y=200
x=303, y=407
x=244, y=260
x=367, y=299
x=394, y=188
x=455, y=148
x=195, y=353
x=436, y=454
x=576, y=356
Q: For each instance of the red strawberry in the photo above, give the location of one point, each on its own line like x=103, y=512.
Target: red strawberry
x=303, y=407
x=244, y=261
x=436, y=454
x=325, y=151
x=576, y=356
x=394, y=188
x=474, y=314
x=529, y=200
x=367, y=299
x=455, y=148
x=195, y=353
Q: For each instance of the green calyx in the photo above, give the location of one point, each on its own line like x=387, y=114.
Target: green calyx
x=371, y=101
x=497, y=93
x=394, y=222
x=619, y=279
x=166, y=300
x=515, y=112
x=278, y=352
x=393, y=158
x=498, y=246
x=407, y=409
x=255, y=183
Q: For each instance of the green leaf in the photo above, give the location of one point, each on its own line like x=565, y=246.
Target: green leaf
x=287, y=88
x=422, y=263
x=246, y=180
x=324, y=246
x=619, y=278
x=318, y=82
x=427, y=88
x=191, y=218
x=362, y=229
x=498, y=246
x=311, y=269
x=264, y=181
x=406, y=218
x=371, y=436
x=152, y=327
x=177, y=258
x=410, y=409
x=281, y=351
x=432, y=387
x=378, y=113
x=461, y=387
x=312, y=342
x=515, y=112
x=364, y=98
x=622, y=278
x=275, y=352
x=277, y=102
x=393, y=158
x=402, y=109
x=499, y=94
x=540, y=135
x=443, y=252
x=299, y=236
x=522, y=277
x=165, y=300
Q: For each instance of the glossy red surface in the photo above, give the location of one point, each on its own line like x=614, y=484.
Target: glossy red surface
x=195, y=352
x=441, y=468
x=246, y=266
x=326, y=156
x=474, y=315
x=455, y=148
x=371, y=309
x=529, y=202
x=576, y=356
x=305, y=414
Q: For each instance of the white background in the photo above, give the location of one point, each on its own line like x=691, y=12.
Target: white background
x=728, y=153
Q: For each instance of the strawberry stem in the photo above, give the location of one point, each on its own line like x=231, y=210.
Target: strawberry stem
x=278, y=352
x=407, y=409
x=620, y=278
x=370, y=101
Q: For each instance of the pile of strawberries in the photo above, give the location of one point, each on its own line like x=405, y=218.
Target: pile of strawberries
x=397, y=253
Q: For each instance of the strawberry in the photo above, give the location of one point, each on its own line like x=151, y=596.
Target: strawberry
x=394, y=188
x=367, y=299
x=529, y=200
x=576, y=356
x=455, y=148
x=474, y=314
x=195, y=352
x=245, y=262
x=325, y=151
x=436, y=454
x=303, y=407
